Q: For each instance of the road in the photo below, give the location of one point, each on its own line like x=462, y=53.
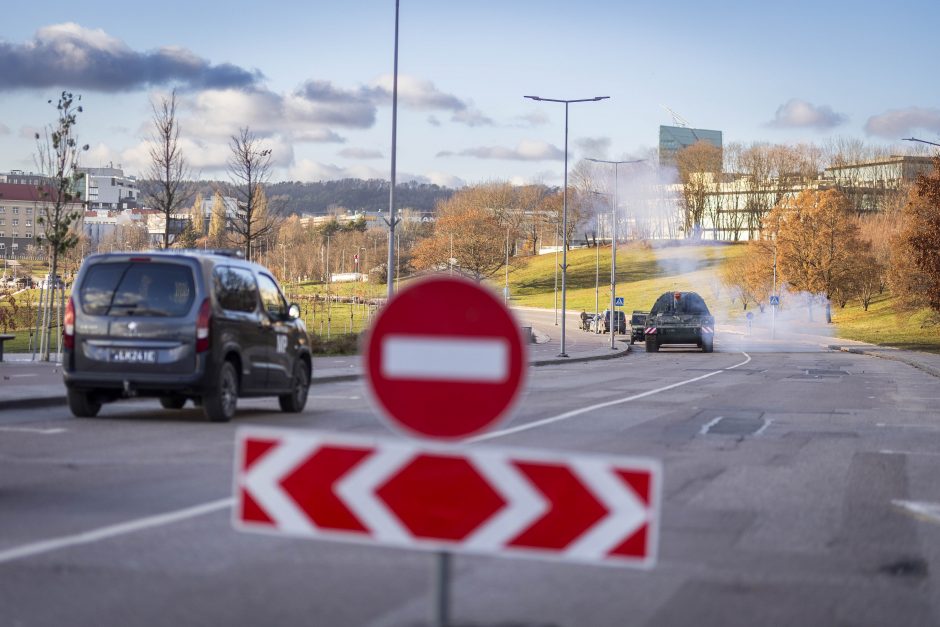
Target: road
x=799, y=489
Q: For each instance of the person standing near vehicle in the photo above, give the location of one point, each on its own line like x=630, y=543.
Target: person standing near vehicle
x=584, y=319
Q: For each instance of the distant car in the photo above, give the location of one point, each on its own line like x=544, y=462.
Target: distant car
x=201, y=326
x=638, y=326
x=619, y=322
x=46, y=282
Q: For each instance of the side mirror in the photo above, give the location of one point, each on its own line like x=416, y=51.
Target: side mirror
x=293, y=312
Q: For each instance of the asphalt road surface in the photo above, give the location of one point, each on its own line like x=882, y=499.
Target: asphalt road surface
x=799, y=489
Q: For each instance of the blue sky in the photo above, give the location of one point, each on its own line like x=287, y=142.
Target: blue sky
x=313, y=78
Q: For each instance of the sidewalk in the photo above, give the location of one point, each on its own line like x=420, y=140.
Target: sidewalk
x=27, y=384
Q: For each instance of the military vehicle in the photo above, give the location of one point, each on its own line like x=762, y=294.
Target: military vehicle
x=680, y=318
x=638, y=326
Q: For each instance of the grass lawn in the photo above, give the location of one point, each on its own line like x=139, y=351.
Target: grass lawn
x=644, y=273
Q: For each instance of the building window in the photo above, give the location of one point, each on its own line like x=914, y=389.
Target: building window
x=16, y=210
x=28, y=236
x=15, y=234
x=3, y=210
x=2, y=246
x=3, y=222
x=29, y=223
x=16, y=222
x=29, y=211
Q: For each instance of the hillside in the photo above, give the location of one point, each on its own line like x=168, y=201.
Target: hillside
x=289, y=197
x=643, y=273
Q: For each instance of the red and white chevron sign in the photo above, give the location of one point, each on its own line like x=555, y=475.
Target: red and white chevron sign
x=427, y=496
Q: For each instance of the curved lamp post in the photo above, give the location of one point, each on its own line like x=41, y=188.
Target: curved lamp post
x=564, y=227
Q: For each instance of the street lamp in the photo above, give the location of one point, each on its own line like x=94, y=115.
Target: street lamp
x=613, y=241
x=564, y=219
x=923, y=141
x=391, y=220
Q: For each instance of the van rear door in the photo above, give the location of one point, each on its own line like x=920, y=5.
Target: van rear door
x=137, y=315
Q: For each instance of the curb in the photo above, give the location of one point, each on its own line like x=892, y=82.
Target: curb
x=880, y=355
x=53, y=401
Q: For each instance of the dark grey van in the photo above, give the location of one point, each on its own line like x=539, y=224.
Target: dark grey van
x=178, y=325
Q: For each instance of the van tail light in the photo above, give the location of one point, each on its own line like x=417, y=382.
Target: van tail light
x=68, y=327
x=203, y=324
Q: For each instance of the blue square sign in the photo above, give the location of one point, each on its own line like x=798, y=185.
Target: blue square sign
x=774, y=300
x=618, y=301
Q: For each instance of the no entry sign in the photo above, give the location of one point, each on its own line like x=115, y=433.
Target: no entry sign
x=480, y=500
x=444, y=359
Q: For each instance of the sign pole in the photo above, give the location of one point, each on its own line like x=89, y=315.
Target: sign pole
x=440, y=616
x=773, y=309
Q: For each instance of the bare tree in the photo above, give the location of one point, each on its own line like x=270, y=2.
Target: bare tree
x=57, y=158
x=249, y=169
x=699, y=168
x=168, y=171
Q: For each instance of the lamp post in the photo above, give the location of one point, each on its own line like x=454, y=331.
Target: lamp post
x=506, y=288
x=613, y=241
x=612, y=272
x=923, y=141
x=555, y=305
x=391, y=220
x=564, y=219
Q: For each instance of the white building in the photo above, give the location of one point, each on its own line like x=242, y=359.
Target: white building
x=109, y=188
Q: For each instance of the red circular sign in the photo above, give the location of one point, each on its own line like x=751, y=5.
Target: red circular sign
x=445, y=359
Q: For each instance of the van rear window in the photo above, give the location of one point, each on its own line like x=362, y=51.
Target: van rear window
x=137, y=289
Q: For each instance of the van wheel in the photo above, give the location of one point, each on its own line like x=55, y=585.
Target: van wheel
x=708, y=344
x=172, y=402
x=219, y=404
x=82, y=404
x=294, y=401
x=652, y=346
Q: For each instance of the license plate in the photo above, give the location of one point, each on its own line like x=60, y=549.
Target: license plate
x=133, y=356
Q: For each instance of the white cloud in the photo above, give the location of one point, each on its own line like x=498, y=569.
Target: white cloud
x=417, y=93
x=897, y=122
x=594, y=147
x=308, y=170
x=529, y=120
x=360, y=153
x=797, y=113
x=526, y=150
x=74, y=56
x=445, y=180
x=472, y=118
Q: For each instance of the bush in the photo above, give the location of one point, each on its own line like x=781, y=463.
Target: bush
x=340, y=344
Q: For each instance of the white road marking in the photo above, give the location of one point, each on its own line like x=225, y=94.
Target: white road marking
x=888, y=451
x=708, y=425
x=577, y=412
x=103, y=533
x=87, y=537
x=431, y=358
x=763, y=428
x=929, y=512
x=19, y=376
x=34, y=430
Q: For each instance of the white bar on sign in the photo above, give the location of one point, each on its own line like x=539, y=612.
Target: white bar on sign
x=437, y=358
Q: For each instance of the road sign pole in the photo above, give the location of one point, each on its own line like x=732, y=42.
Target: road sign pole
x=440, y=616
x=773, y=309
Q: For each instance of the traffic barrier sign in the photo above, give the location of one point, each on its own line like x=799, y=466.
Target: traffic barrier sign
x=425, y=496
x=444, y=359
